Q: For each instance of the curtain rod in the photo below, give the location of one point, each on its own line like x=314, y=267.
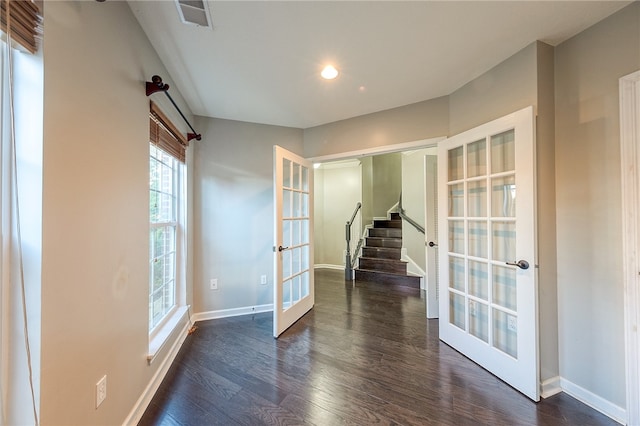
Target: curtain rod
x=156, y=85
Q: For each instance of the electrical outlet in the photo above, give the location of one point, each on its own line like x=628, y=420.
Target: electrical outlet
x=512, y=323
x=213, y=284
x=101, y=390
x=263, y=279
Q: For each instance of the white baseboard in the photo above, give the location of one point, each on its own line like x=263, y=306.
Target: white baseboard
x=234, y=312
x=594, y=401
x=413, y=268
x=328, y=266
x=550, y=387
x=143, y=402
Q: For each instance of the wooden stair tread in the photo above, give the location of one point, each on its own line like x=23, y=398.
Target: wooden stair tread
x=383, y=259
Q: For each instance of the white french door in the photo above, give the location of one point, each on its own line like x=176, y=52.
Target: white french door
x=293, y=294
x=487, y=248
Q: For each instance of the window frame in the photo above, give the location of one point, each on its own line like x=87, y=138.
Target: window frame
x=159, y=333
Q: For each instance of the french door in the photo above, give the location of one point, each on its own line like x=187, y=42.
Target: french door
x=293, y=294
x=487, y=248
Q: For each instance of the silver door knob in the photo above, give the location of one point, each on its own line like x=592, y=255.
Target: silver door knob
x=522, y=264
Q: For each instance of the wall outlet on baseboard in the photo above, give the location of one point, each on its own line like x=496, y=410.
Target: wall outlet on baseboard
x=263, y=279
x=213, y=284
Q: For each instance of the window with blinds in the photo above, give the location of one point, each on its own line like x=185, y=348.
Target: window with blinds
x=21, y=20
x=165, y=135
x=166, y=213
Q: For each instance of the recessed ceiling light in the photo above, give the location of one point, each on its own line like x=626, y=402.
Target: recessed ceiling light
x=329, y=72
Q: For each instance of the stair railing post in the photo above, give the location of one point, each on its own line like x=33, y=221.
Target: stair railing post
x=347, y=260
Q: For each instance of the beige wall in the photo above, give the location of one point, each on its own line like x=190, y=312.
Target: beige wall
x=413, y=203
x=233, y=211
x=508, y=87
x=590, y=288
x=95, y=219
x=338, y=187
x=367, y=190
x=422, y=120
x=387, y=182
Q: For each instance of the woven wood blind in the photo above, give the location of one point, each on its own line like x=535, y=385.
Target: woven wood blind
x=24, y=18
x=165, y=135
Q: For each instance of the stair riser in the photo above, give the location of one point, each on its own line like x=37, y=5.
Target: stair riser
x=397, y=267
x=381, y=277
x=386, y=232
x=382, y=253
x=387, y=224
x=383, y=242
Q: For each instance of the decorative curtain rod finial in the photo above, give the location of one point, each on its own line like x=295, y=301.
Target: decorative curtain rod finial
x=156, y=85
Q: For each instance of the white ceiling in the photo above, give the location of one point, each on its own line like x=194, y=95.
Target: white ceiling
x=261, y=61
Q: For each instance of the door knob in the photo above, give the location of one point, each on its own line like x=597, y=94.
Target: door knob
x=432, y=244
x=280, y=248
x=522, y=264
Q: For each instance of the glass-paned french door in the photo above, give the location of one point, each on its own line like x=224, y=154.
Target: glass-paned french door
x=293, y=264
x=488, y=295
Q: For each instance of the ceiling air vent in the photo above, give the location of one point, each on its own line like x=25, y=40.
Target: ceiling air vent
x=194, y=12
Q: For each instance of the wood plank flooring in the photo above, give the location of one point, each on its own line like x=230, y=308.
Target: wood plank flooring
x=364, y=355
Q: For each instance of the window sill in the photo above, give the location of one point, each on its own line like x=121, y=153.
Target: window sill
x=160, y=337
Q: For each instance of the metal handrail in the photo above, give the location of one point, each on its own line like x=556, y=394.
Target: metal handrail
x=407, y=218
x=348, y=262
x=355, y=212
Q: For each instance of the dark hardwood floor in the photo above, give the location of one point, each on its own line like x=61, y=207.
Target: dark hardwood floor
x=364, y=355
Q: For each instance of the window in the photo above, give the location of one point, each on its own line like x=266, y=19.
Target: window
x=164, y=182
x=166, y=226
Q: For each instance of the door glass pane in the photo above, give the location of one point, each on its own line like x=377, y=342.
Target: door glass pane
x=479, y=320
x=503, y=196
x=456, y=310
x=304, y=283
x=286, y=294
x=503, y=158
x=305, y=205
x=478, y=238
x=296, y=204
x=305, y=178
x=456, y=236
x=295, y=260
x=286, y=233
x=304, y=232
x=456, y=170
x=295, y=290
x=505, y=332
x=477, y=195
x=286, y=173
x=295, y=240
x=305, y=258
x=286, y=203
x=296, y=176
x=504, y=241
x=456, y=200
x=505, y=291
x=286, y=264
x=477, y=158
x=456, y=273
x=478, y=279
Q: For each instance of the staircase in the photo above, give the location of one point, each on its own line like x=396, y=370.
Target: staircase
x=381, y=255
